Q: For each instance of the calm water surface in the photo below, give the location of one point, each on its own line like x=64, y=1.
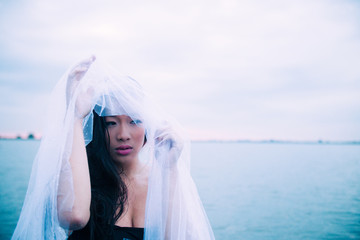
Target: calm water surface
x=280, y=191
x=249, y=191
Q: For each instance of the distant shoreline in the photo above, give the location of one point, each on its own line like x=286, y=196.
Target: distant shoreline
x=20, y=139
x=271, y=141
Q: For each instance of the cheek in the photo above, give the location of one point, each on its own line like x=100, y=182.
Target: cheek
x=109, y=138
x=139, y=135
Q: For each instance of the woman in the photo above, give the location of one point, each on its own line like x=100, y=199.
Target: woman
x=132, y=179
x=118, y=179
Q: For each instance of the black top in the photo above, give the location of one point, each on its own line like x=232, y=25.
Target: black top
x=131, y=233
x=120, y=233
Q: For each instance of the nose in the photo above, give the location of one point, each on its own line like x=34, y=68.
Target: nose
x=123, y=133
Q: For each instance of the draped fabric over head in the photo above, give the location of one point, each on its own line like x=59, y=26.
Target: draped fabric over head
x=173, y=207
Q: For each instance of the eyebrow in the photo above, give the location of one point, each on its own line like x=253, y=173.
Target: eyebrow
x=116, y=116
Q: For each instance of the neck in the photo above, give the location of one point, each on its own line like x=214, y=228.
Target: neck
x=131, y=168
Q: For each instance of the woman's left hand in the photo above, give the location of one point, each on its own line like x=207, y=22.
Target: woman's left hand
x=166, y=139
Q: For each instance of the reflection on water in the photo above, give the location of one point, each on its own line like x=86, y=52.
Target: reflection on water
x=250, y=191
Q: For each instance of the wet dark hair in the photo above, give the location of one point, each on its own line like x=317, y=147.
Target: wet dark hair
x=108, y=190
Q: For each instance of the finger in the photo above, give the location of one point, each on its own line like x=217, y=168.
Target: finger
x=86, y=63
x=83, y=65
x=77, y=74
x=80, y=69
x=92, y=58
x=159, y=139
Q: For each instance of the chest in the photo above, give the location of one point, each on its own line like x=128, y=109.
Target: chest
x=134, y=212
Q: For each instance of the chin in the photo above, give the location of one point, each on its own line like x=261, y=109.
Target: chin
x=123, y=159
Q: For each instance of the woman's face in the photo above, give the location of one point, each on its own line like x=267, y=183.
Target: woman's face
x=126, y=138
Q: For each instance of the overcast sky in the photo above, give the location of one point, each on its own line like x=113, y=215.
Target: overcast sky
x=242, y=69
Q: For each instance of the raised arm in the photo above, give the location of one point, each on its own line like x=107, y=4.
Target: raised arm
x=78, y=215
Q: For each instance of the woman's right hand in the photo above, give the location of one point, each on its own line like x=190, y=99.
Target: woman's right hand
x=74, y=214
x=84, y=100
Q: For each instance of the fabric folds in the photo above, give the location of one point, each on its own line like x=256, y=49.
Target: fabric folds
x=173, y=207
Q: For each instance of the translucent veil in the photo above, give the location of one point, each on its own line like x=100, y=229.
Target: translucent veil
x=173, y=207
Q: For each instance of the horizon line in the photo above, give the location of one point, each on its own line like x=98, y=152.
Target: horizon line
x=320, y=141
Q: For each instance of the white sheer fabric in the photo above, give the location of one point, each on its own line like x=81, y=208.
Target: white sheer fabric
x=173, y=207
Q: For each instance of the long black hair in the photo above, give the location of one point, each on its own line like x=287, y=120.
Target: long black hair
x=108, y=190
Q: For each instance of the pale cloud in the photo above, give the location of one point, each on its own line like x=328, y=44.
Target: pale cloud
x=225, y=69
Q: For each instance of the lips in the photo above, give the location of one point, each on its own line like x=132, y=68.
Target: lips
x=123, y=150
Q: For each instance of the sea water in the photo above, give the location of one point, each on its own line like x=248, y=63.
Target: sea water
x=280, y=191
x=249, y=190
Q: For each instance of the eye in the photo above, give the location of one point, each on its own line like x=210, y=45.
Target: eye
x=136, y=121
x=110, y=123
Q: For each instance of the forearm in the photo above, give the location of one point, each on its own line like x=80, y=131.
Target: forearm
x=80, y=211
x=74, y=190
